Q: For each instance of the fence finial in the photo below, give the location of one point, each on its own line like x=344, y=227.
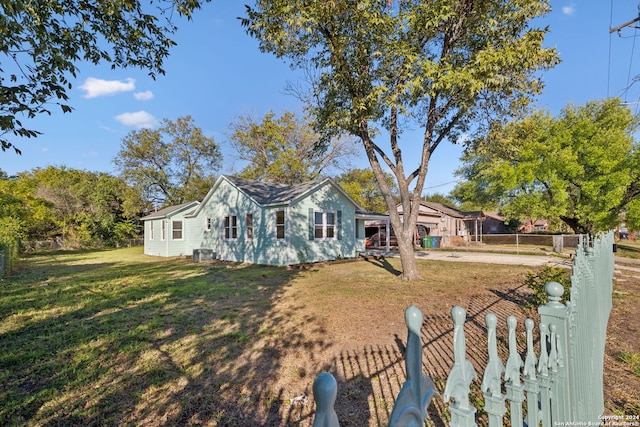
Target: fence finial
x=513, y=386
x=491, y=382
x=325, y=390
x=514, y=362
x=530, y=360
x=461, y=375
x=554, y=291
x=411, y=405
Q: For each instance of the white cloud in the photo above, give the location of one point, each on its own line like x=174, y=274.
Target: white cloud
x=139, y=119
x=569, y=10
x=98, y=87
x=143, y=96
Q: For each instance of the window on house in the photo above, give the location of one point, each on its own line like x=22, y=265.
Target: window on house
x=231, y=227
x=324, y=225
x=150, y=230
x=280, y=224
x=163, y=232
x=176, y=230
x=207, y=223
x=249, y=226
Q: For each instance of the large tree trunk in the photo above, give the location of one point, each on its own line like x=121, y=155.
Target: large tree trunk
x=576, y=225
x=404, y=228
x=405, y=232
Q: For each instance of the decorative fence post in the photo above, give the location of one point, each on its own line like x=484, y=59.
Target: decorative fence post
x=325, y=390
x=411, y=405
x=414, y=398
x=531, y=386
x=515, y=392
x=461, y=375
x=555, y=315
x=492, y=378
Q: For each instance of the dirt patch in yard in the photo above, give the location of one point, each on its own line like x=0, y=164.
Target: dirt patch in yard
x=114, y=337
x=622, y=358
x=357, y=327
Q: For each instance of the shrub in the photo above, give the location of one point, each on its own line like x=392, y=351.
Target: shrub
x=537, y=281
x=9, y=241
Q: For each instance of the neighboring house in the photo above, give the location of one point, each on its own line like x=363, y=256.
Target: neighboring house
x=256, y=222
x=532, y=226
x=450, y=225
x=493, y=223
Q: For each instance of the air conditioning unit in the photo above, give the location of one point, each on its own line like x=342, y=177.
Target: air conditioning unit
x=203, y=255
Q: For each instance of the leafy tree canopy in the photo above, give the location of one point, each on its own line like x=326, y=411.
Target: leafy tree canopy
x=286, y=149
x=81, y=207
x=361, y=185
x=41, y=41
x=173, y=164
x=582, y=167
x=442, y=66
x=440, y=198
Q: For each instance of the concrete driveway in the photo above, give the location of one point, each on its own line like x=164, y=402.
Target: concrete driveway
x=482, y=257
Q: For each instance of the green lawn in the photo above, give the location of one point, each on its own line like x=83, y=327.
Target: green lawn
x=118, y=338
x=629, y=249
x=87, y=337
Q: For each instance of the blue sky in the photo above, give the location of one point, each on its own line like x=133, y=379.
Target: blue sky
x=217, y=73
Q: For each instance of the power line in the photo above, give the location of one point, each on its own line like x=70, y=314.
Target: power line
x=441, y=185
x=609, y=64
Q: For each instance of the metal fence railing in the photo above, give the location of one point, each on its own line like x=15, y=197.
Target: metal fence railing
x=548, y=388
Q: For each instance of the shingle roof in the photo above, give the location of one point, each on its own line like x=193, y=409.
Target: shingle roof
x=443, y=208
x=266, y=193
x=166, y=211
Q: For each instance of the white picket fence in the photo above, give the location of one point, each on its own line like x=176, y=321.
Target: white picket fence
x=560, y=385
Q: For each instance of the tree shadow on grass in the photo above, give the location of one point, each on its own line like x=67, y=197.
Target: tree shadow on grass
x=166, y=342
x=171, y=342
x=382, y=262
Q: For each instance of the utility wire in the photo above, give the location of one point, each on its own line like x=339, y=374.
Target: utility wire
x=610, y=38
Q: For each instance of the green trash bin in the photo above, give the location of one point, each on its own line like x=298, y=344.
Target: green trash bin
x=425, y=242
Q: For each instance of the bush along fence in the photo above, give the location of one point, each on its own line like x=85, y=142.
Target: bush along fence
x=562, y=385
x=9, y=244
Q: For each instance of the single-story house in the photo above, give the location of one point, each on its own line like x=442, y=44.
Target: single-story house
x=533, y=225
x=450, y=225
x=257, y=222
x=455, y=227
x=493, y=223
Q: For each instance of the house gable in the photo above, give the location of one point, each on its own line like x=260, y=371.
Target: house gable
x=165, y=230
x=250, y=221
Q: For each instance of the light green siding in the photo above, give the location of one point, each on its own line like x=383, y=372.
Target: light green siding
x=164, y=242
x=154, y=244
x=304, y=245
x=206, y=228
x=227, y=201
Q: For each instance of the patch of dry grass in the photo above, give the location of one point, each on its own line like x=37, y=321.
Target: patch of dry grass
x=115, y=337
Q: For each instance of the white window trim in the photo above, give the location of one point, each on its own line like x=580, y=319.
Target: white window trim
x=207, y=223
x=247, y=227
x=181, y=230
x=231, y=227
x=275, y=222
x=151, y=230
x=163, y=231
x=324, y=225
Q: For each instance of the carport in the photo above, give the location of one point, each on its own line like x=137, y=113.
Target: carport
x=375, y=220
